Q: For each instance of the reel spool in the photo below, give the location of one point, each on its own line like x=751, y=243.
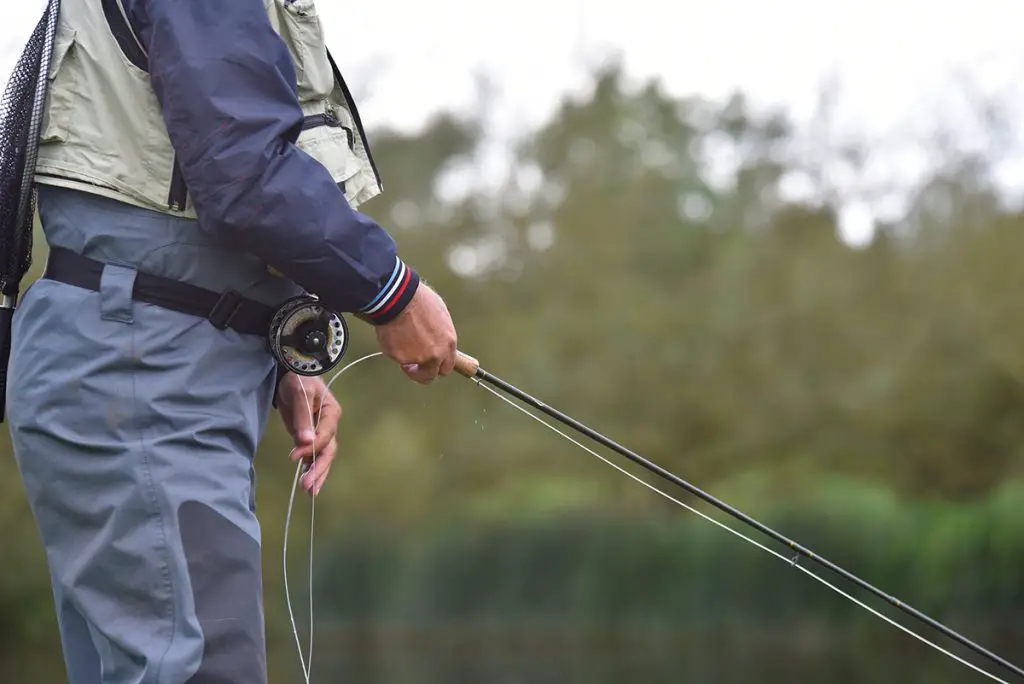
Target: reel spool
x=307, y=338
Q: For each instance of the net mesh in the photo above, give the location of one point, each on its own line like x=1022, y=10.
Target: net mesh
x=21, y=113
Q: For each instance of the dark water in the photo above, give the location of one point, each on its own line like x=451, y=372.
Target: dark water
x=900, y=660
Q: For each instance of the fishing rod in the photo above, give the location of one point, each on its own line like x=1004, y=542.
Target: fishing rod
x=321, y=345
x=470, y=368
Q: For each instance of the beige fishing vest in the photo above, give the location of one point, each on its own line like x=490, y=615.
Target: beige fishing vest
x=103, y=132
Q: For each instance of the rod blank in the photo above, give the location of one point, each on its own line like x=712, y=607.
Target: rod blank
x=469, y=367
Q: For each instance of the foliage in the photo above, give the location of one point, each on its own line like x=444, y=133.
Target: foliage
x=642, y=267
x=956, y=562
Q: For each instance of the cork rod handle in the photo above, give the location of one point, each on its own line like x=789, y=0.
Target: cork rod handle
x=466, y=365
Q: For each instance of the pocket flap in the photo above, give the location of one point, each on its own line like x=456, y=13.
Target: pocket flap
x=329, y=146
x=62, y=43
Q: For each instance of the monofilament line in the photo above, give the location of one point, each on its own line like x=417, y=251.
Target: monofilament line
x=307, y=663
x=744, y=537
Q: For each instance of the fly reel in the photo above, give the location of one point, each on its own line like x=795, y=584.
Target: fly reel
x=306, y=337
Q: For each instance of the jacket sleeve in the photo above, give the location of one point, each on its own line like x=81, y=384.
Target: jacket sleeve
x=227, y=87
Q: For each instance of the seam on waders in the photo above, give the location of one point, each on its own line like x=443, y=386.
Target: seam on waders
x=152, y=499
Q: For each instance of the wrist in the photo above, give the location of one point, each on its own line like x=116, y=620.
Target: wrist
x=393, y=297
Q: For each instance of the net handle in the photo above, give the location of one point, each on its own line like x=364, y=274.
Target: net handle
x=19, y=259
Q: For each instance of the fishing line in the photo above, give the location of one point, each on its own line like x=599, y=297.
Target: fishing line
x=470, y=368
x=287, y=525
x=759, y=545
x=307, y=663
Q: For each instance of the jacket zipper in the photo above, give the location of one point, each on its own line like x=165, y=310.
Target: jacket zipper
x=355, y=116
x=178, y=195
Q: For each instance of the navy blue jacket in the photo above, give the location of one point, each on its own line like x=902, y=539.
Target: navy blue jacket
x=227, y=87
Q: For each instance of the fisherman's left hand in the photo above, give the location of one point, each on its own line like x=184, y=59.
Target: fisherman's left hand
x=311, y=414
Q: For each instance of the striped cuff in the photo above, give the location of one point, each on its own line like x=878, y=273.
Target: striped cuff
x=394, y=296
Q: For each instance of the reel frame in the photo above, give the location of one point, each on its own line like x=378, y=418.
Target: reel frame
x=307, y=338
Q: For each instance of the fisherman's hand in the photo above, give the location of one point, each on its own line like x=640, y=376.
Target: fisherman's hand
x=422, y=338
x=311, y=414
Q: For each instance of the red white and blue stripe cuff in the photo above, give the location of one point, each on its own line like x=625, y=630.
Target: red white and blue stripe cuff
x=394, y=296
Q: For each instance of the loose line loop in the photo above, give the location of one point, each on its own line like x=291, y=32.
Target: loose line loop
x=306, y=662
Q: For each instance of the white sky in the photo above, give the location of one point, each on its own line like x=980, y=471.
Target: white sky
x=413, y=58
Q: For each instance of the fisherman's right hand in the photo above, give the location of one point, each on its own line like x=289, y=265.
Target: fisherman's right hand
x=422, y=338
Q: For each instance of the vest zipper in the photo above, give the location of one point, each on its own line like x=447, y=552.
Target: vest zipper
x=318, y=120
x=178, y=195
x=329, y=120
x=355, y=116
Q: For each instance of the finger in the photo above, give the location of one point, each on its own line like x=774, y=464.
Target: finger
x=324, y=436
x=423, y=373
x=327, y=422
x=324, y=471
x=316, y=474
x=448, y=365
x=326, y=430
x=321, y=479
x=288, y=418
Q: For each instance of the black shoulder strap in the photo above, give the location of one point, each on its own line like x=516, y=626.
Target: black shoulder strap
x=124, y=34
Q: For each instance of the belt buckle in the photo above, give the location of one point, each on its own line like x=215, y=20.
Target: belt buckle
x=223, y=312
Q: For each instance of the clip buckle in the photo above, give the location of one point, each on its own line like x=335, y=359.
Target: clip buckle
x=223, y=312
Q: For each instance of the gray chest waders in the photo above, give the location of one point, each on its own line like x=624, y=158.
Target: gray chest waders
x=305, y=337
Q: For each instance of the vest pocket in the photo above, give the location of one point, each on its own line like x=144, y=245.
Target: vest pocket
x=299, y=26
x=63, y=88
x=327, y=140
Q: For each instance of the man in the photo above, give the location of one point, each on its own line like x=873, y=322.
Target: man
x=200, y=164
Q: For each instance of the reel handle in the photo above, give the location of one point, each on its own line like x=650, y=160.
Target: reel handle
x=466, y=365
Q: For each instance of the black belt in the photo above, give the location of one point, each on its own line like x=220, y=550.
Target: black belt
x=226, y=309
